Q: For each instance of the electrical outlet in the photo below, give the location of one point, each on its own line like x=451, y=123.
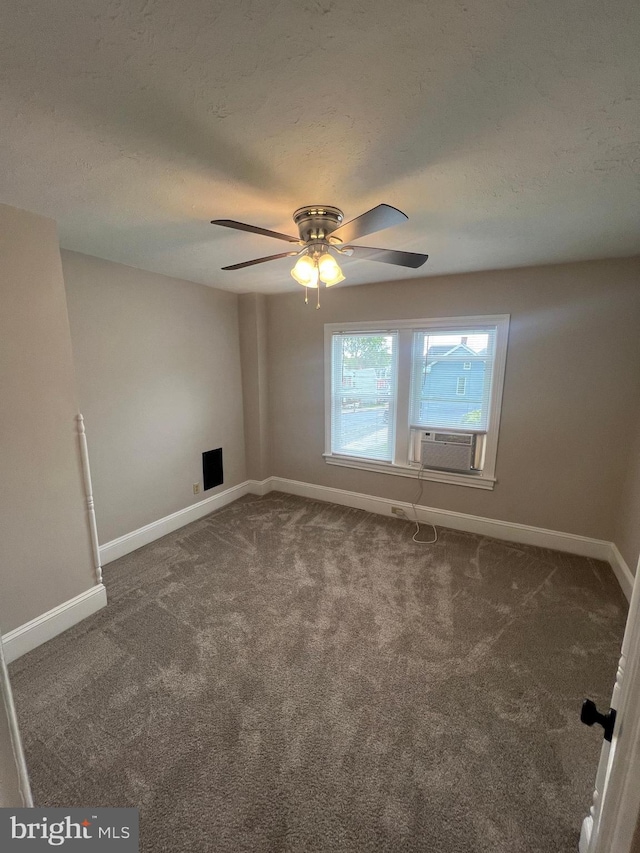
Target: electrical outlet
x=396, y=510
x=196, y=488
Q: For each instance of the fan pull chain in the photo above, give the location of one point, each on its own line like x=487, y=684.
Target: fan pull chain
x=306, y=295
x=318, y=305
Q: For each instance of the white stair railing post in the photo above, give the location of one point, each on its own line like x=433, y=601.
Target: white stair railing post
x=91, y=513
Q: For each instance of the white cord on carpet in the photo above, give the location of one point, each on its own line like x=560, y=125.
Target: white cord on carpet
x=415, y=501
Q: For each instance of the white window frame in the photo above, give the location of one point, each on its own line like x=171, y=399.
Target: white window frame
x=466, y=365
x=461, y=389
x=401, y=464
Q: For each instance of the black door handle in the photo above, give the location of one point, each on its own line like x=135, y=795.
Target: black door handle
x=590, y=715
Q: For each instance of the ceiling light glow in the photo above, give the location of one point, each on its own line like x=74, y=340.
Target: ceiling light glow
x=305, y=272
x=329, y=270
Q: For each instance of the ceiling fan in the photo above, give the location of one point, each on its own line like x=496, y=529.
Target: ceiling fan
x=323, y=232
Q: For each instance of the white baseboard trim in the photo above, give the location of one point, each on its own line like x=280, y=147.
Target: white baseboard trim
x=150, y=532
x=585, y=834
x=43, y=628
x=621, y=571
x=261, y=487
x=47, y=626
x=505, y=530
x=508, y=531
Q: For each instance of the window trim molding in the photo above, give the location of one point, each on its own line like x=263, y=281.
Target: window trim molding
x=475, y=481
x=401, y=467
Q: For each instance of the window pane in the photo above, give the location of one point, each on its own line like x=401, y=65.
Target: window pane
x=363, y=394
x=451, y=378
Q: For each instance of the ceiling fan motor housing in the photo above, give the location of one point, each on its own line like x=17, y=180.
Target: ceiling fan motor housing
x=316, y=221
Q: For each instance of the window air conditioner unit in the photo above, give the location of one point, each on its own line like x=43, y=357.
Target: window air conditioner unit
x=448, y=451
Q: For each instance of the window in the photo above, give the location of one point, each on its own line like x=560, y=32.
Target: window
x=436, y=382
x=363, y=380
x=387, y=383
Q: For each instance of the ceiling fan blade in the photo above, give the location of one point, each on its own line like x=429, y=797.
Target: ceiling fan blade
x=386, y=256
x=382, y=216
x=241, y=226
x=260, y=261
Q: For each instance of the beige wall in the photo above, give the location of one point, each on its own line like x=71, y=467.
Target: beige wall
x=45, y=549
x=253, y=348
x=158, y=367
x=627, y=532
x=570, y=398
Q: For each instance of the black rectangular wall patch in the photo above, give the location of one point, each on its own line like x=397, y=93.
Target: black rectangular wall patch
x=212, y=468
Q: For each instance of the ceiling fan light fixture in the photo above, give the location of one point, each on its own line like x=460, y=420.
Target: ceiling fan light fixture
x=322, y=230
x=305, y=272
x=329, y=270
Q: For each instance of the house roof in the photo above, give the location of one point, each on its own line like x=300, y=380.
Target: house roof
x=447, y=349
x=438, y=353
x=507, y=130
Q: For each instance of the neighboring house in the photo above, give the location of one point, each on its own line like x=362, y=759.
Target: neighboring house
x=365, y=386
x=453, y=385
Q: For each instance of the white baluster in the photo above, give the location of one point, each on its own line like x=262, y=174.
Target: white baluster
x=86, y=471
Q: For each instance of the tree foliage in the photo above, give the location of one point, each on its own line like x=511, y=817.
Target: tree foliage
x=365, y=351
x=472, y=417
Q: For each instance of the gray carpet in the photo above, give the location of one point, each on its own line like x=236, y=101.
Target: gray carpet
x=289, y=675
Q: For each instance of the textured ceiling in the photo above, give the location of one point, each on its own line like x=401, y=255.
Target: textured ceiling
x=507, y=130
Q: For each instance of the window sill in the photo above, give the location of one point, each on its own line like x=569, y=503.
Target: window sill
x=473, y=481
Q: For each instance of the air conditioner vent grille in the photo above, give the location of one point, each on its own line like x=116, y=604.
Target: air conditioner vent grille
x=448, y=451
x=452, y=438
